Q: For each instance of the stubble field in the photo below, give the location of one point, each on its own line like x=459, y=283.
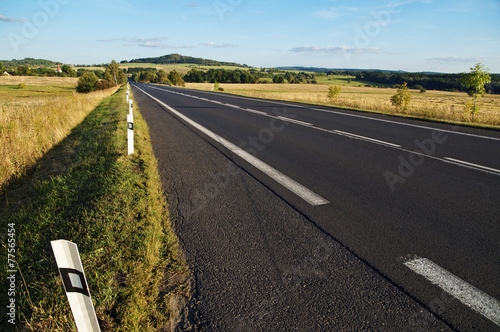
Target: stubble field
x=436, y=105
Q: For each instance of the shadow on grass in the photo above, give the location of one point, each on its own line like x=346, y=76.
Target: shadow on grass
x=52, y=202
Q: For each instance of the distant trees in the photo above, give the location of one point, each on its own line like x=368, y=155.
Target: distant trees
x=278, y=79
x=70, y=72
x=23, y=70
x=89, y=81
x=114, y=74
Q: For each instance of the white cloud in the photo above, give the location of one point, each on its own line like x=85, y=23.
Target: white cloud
x=336, y=50
x=11, y=19
x=215, y=45
x=328, y=14
x=454, y=59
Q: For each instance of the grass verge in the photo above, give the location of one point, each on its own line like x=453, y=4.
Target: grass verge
x=89, y=191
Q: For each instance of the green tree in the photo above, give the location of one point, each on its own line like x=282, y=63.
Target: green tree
x=162, y=77
x=2, y=68
x=474, y=81
x=23, y=71
x=176, y=78
x=402, y=98
x=334, y=92
x=279, y=79
x=70, y=72
x=114, y=74
x=87, y=82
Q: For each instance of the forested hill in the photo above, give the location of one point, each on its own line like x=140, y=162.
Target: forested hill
x=28, y=62
x=177, y=59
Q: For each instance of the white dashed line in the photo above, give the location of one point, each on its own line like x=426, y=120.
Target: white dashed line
x=365, y=138
x=295, y=121
x=494, y=170
x=469, y=295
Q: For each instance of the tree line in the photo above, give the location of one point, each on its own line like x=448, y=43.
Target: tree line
x=445, y=82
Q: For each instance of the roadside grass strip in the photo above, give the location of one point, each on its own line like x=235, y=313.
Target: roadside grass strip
x=89, y=191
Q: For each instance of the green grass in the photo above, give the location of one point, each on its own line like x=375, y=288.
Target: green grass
x=88, y=191
x=344, y=80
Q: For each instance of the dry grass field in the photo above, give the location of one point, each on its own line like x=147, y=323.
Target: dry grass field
x=438, y=105
x=35, y=118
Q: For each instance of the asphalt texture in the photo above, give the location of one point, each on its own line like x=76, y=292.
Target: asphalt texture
x=264, y=259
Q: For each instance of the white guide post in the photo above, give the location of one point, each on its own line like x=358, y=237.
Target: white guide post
x=130, y=132
x=75, y=285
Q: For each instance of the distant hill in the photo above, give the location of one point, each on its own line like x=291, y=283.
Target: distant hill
x=29, y=62
x=179, y=59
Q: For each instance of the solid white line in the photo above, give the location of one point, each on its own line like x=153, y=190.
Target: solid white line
x=366, y=138
x=295, y=187
x=469, y=295
x=294, y=121
x=473, y=165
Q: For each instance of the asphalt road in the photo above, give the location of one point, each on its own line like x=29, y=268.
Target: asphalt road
x=296, y=217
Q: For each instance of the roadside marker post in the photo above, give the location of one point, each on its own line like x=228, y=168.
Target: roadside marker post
x=130, y=131
x=131, y=107
x=127, y=95
x=75, y=285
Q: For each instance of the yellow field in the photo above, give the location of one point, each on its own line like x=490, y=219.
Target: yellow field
x=34, y=119
x=439, y=105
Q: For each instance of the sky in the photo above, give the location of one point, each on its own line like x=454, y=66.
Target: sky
x=410, y=35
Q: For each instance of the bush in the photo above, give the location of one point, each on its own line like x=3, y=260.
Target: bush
x=334, y=91
x=419, y=87
x=401, y=100
x=87, y=83
x=103, y=85
x=21, y=86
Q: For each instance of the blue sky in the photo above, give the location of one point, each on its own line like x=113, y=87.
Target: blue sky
x=411, y=35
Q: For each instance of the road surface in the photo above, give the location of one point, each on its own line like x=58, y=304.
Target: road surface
x=297, y=217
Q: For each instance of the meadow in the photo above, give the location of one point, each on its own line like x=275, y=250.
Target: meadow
x=35, y=118
x=435, y=105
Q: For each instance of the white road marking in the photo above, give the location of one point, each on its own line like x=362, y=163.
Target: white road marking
x=292, y=185
x=494, y=170
x=295, y=121
x=366, y=138
x=469, y=295
x=254, y=111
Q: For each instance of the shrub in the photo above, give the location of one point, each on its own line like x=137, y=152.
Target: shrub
x=103, y=85
x=419, y=87
x=21, y=86
x=87, y=83
x=334, y=91
x=402, y=98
